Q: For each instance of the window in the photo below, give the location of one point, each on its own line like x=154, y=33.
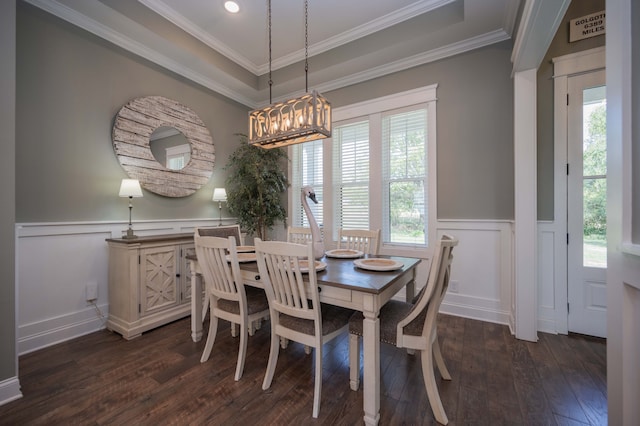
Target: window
x=307, y=170
x=351, y=175
x=404, y=176
x=376, y=172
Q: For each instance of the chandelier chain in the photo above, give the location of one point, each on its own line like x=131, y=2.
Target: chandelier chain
x=269, y=19
x=306, y=45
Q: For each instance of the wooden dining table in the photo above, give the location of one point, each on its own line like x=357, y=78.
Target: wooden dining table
x=343, y=284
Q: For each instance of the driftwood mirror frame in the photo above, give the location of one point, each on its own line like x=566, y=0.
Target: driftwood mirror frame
x=132, y=129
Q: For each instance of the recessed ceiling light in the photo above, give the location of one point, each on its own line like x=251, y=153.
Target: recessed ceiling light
x=232, y=6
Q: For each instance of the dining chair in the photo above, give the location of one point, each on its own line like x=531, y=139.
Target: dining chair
x=222, y=232
x=365, y=240
x=295, y=308
x=298, y=235
x=414, y=326
x=229, y=299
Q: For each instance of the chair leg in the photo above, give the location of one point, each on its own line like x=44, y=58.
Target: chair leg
x=284, y=342
x=234, y=330
x=432, y=389
x=273, y=359
x=437, y=356
x=211, y=337
x=242, y=350
x=354, y=361
x=317, y=391
x=205, y=306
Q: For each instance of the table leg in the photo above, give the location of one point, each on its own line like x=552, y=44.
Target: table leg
x=196, y=306
x=410, y=289
x=371, y=368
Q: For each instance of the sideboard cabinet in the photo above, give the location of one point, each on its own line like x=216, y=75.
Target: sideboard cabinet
x=149, y=282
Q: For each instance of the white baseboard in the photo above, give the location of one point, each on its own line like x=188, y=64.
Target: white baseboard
x=49, y=332
x=473, y=308
x=9, y=390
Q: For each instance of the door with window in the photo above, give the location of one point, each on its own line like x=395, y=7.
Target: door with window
x=586, y=204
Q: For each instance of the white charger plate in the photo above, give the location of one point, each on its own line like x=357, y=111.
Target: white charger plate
x=244, y=257
x=378, y=264
x=245, y=249
x=304, y=266
x=344, y=253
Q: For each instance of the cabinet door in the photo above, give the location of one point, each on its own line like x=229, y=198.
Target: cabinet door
x=159, y=283
x=185, y=270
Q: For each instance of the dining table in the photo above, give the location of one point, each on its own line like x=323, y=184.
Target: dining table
x=340, y=283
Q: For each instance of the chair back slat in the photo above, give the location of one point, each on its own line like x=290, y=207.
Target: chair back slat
x=365, y=240
x=219, y=272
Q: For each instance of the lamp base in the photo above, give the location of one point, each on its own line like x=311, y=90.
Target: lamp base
x=130, y=235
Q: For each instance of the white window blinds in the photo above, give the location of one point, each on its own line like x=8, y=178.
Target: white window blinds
x=307, y=170
x=351, y=176
x=404, y=176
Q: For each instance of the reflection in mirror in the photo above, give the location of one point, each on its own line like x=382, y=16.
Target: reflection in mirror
x=170, y=147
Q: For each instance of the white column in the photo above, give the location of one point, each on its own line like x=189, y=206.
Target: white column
x=525, y=200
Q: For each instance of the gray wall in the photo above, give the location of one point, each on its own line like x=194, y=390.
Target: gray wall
x=8, y=364
x=70, y=85
x=635, y=146
x=474, y=127
x=559, y=46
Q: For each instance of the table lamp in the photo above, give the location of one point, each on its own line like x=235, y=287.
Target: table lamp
x=130, y=188
x=220, y=195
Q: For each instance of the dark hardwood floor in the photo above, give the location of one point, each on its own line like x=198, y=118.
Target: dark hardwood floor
x=158, y=379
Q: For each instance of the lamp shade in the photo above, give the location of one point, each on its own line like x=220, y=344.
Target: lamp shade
x=130, y=188
x=219, y=194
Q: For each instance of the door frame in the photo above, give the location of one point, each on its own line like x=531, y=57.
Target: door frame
x=564, y=67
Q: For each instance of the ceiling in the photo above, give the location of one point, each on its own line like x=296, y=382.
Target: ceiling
x=349, y=40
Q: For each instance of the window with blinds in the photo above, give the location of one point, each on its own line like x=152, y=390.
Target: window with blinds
x=307, y=171
x=379, y=172
x=404, y=176
x=351, y=175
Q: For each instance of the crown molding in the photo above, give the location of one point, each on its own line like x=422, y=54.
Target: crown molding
x=83, y=21
x=217, y=81
x=397, y=16
x=416, y=60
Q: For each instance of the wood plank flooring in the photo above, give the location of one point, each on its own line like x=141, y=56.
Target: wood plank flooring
x=158, y=379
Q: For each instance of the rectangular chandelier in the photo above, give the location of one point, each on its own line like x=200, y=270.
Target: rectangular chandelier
x=289, y=122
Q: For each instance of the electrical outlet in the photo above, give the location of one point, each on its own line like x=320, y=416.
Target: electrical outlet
x=91, y=291
x=454, y=286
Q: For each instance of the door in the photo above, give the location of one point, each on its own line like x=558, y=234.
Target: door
x=159, y=284
x=586, y=204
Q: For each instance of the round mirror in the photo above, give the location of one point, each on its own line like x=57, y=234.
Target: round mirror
x=145, y=119
x=170, y=147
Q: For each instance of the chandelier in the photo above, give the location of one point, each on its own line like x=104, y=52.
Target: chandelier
x=293, y=121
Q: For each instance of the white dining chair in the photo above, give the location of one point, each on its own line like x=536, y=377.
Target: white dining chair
x=298, y=235
x=414, y=326
x=227, y=296
x=365, y=240
x=222, y=232
x=295, y=308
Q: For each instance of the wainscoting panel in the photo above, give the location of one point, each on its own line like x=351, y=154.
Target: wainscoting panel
x=54, y=264
x=481, y=275
x=552, y=279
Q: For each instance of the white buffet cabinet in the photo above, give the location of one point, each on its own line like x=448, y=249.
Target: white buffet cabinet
x=149, y=282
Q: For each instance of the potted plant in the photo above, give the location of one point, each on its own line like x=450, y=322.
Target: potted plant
x=255, y=185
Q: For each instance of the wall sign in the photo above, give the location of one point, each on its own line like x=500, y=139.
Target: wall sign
x=587, y=26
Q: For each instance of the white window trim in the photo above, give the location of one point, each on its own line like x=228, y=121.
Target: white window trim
x=424, y=95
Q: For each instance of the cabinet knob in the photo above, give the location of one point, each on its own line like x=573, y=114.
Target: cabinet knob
x=177, y=275
x=257, y=277
x=319, y=289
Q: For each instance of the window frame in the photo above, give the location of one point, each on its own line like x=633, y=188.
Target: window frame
x=373, y=110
